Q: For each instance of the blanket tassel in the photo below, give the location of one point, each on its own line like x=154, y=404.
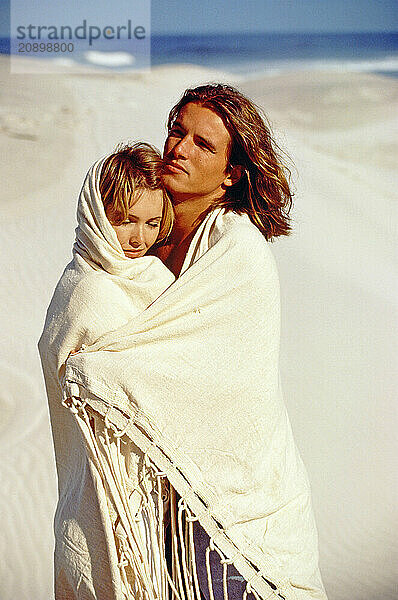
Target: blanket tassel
x=139, y=526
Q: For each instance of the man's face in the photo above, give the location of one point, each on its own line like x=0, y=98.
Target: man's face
x=196, y=154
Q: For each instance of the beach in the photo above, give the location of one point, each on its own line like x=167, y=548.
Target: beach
x=338, y=290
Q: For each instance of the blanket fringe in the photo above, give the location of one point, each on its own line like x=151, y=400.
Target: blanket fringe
x=141, y=510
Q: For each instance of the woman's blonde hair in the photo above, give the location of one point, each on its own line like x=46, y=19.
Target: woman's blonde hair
x=130, y=168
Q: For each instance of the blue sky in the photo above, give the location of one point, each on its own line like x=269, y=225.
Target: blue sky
x=204, y=16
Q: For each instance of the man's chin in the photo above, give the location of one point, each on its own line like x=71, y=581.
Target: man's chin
x=171, y=179
x=174, y=186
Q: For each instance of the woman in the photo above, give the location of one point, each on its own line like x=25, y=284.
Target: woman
x=122, y=212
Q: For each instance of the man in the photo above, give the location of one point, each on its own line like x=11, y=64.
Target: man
x=193, y=380
x=219, y=152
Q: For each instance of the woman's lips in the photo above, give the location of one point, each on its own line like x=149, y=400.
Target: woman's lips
x=133, y=251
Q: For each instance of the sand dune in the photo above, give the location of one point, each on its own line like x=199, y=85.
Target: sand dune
x=338, y=293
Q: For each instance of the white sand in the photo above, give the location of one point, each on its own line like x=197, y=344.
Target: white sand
x=338, y=292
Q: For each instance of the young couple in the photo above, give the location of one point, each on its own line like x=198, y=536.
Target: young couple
x=177, y=471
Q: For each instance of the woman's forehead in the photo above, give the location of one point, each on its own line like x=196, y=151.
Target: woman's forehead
x=146, y=201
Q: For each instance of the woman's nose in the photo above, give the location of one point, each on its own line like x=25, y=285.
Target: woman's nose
x=137, y=236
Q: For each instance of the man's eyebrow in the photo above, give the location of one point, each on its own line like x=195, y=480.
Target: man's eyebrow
x=178, y=124
x=200, y=137
x=206, y=141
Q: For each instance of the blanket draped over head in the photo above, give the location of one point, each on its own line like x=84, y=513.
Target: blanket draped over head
x=192, y=381
x=100, y=290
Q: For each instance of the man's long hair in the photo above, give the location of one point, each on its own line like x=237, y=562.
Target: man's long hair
x=263, y=192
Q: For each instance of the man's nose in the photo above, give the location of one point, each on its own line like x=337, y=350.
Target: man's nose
x=181, y=148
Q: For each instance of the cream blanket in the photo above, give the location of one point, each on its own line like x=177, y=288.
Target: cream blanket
x=193, y=381
x=100, y=290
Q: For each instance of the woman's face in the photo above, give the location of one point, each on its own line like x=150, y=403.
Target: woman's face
x=140, y=230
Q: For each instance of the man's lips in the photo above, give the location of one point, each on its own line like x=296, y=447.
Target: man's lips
x=175, y=167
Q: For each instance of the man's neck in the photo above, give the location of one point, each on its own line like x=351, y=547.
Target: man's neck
x=189, y=213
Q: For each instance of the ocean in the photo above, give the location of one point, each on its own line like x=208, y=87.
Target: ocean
x=247, y=55
x=261, y=54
